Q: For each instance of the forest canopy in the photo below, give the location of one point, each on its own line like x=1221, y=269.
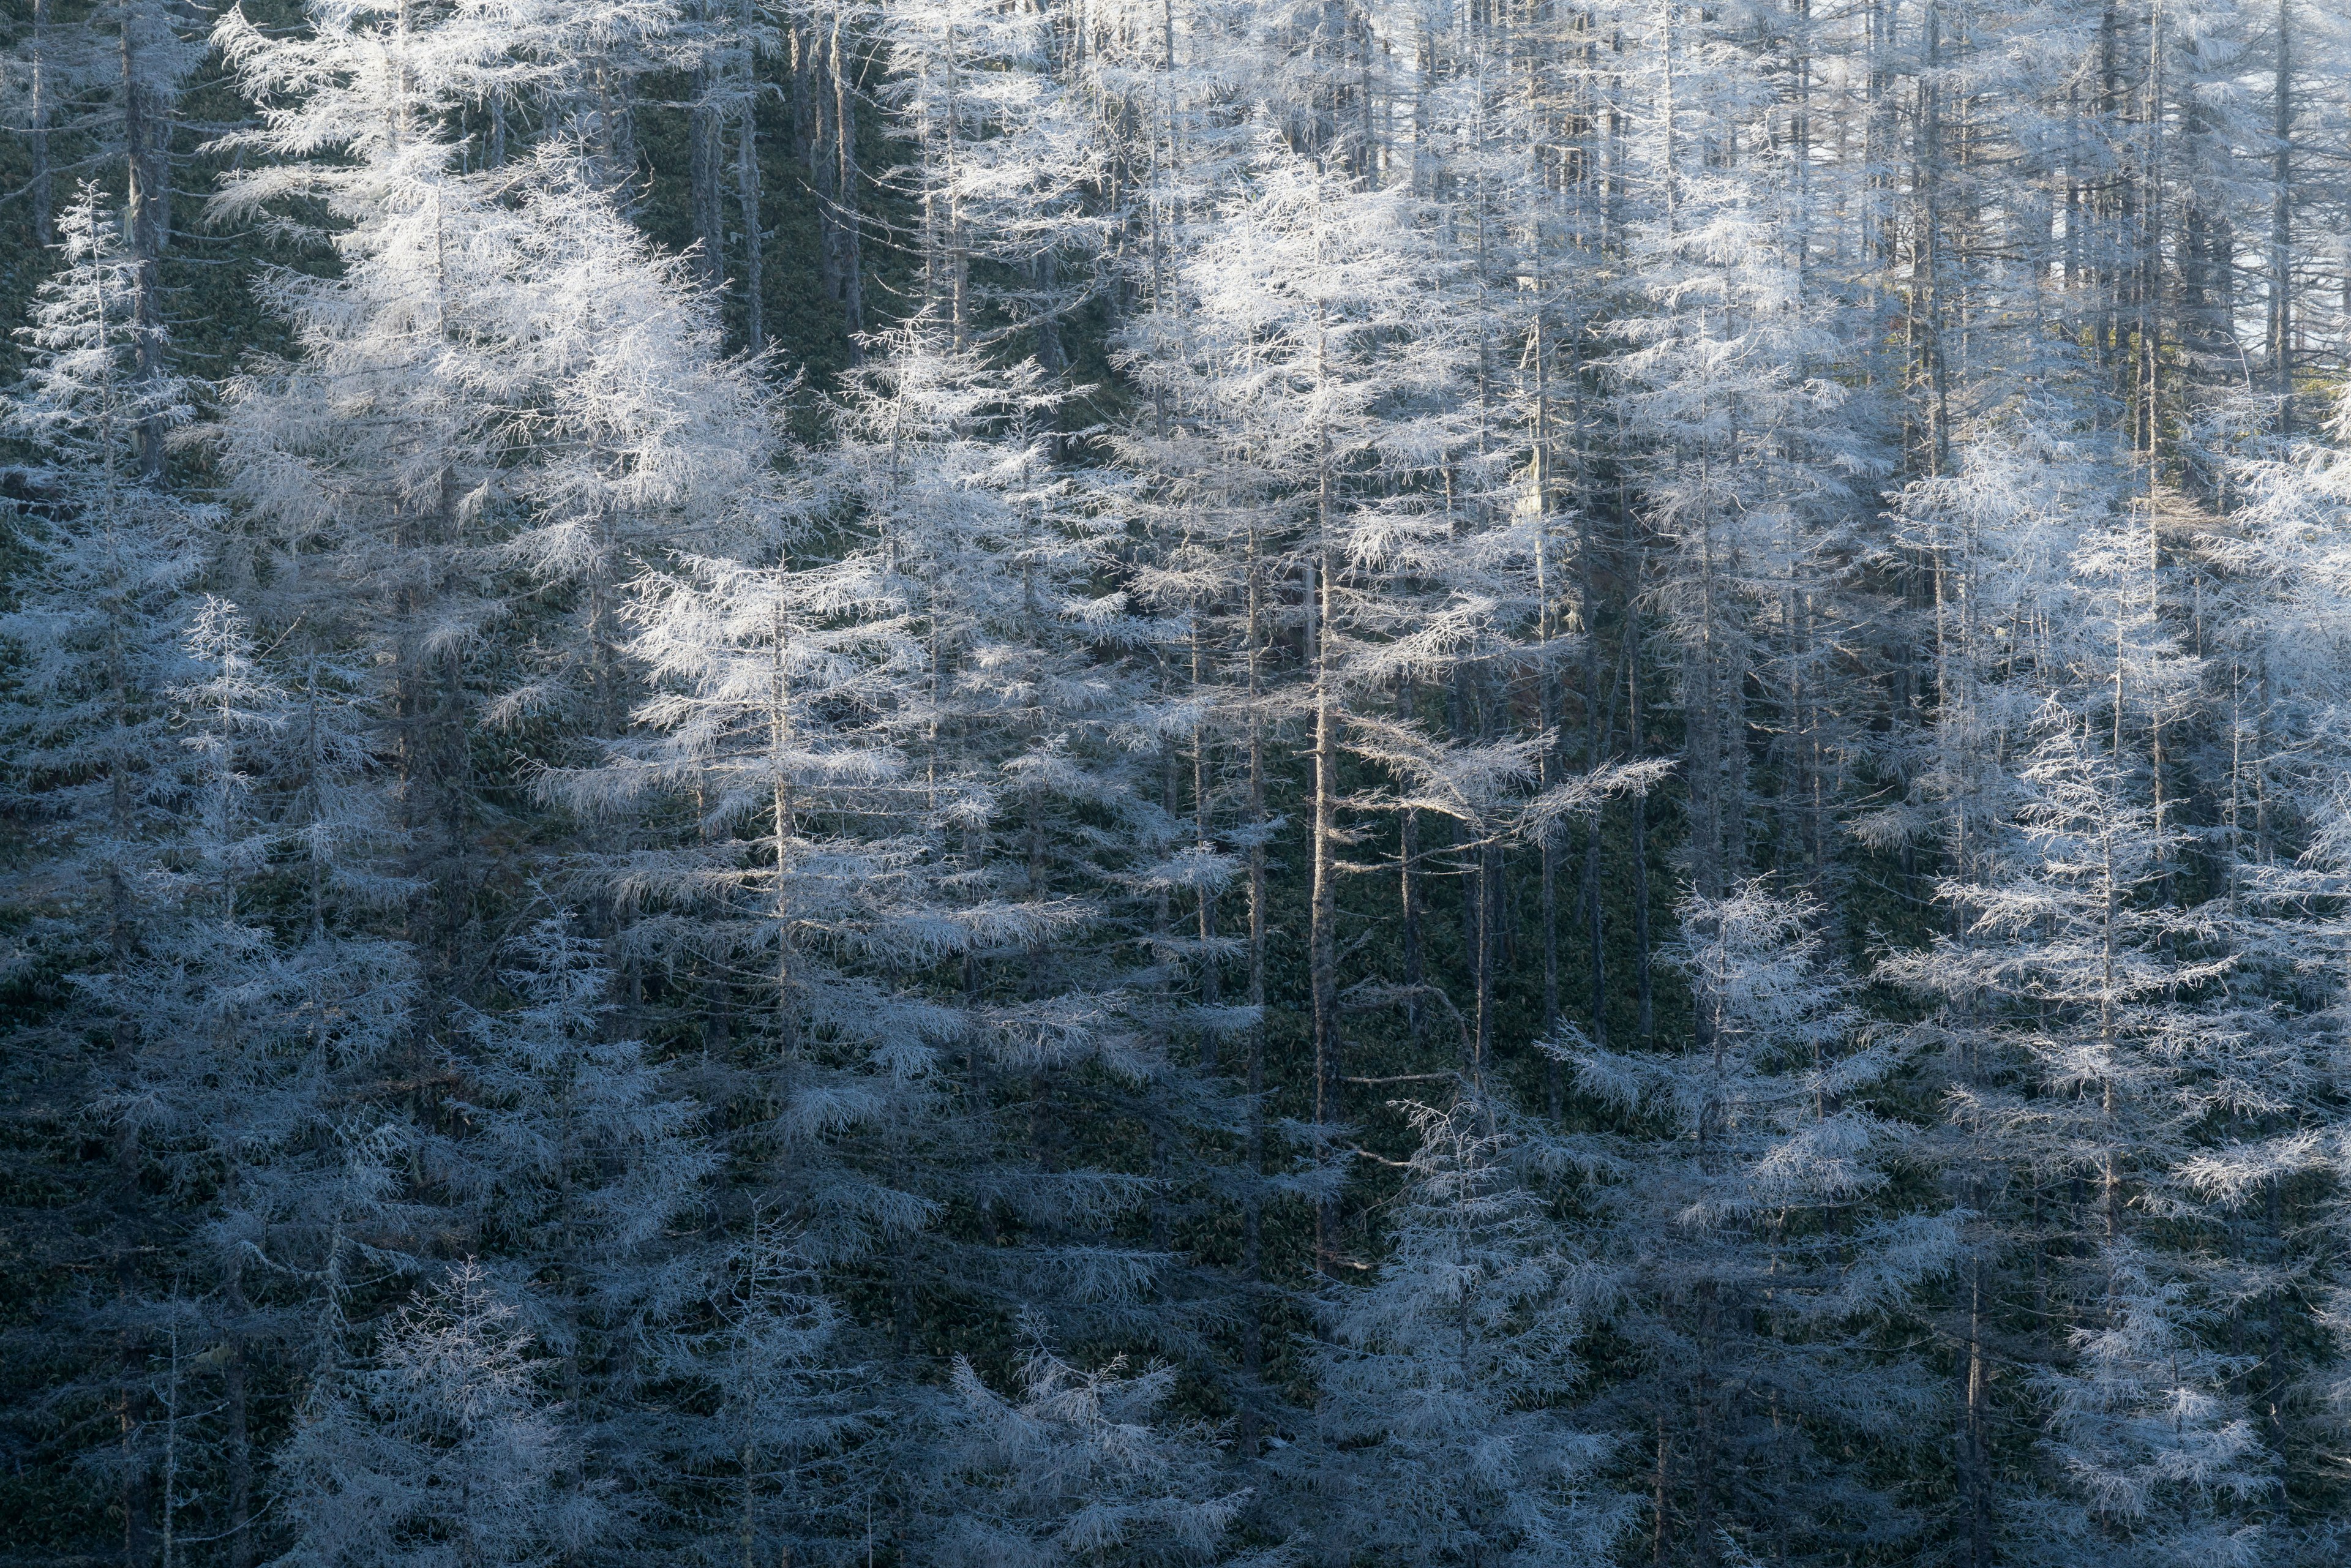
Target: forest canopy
x=1037, y=783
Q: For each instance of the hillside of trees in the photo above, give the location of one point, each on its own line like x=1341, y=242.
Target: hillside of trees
x=1275, y=783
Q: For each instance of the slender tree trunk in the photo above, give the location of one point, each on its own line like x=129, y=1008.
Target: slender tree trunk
x=1253, y=1202
x=238, y=1419
x=1547, y=705
x=1408, y=894
x=1599, y=722
x=1703, y=1529
x=1210, y=979
x=1975, y=1458
x=39, y=194
x=146, y=132
x=746, y=194
x=846, y=231
x=1638, y=849
x=1323, y=956
x=1658, y=1532
x=1925, y=308
x=2280, y=259
x=705, y=134
x=1487, y=886
x=2272, y=1410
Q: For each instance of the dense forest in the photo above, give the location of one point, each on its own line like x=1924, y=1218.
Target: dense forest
x=1024, y=783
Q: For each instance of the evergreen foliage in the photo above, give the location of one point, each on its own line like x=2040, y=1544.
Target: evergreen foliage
x=1313, y=780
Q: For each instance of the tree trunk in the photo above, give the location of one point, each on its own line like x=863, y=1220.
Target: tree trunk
x=1253, y=1202
x=2280, y=279
x=37, y=192
x=1323, y=955
x=747, y=193
x=706, y=135
x=1975, y=1468
x=1408, y=894
x=1644, y=979
x=843, y=232
x=146, y=133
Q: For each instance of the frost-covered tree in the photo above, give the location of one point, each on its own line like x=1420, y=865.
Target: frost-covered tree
x=371, y=465
x=99, y=611
x=581, y=1160
x=1077, y=1466
x=102, y=86
x=104, y=559
x=785, y=1460
x=438, y=1444
x=2095, y=1054
x=1445, y=1430
x=1742, y=1206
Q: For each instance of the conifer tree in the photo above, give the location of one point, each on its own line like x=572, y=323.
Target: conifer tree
x=1742, y=1210
x=1444, y=1434
x=1079, y=1467
x=99, y=605
x=437, y=1444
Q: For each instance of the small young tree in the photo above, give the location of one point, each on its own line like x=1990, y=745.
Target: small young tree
x=579, y=1161
x=1740, y=1207
x=1443, y=1433
x=1079, y=1467
x=782, y=1459
x=440, y=1447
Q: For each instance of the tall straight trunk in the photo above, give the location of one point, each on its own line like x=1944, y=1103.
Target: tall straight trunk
x=138, y=1504
x=1600, y=723
x=1162, y=944
x=1644, y=976
x=1710, y=695
x=238, y=1419
x=1322, y=941
x=1703, y=1446
x=1926, y=312
x=1323, y=952
x=1457, y=703
x=946, y=273
x=37, y=192
x=747, y=193
x=1488, y=887
x=1408, y=893
x=1800, y=133
x=781, y=822
x=240, y=1463
x=706, y=135
x=1209, y=979
x=1660, y=1538
x=2148, y=360
x=130, y=1210
x=146, y=134
x=2272, y=1412
x=1547, y=705
x=1552, y=1085
x=137, y=1497
x=843, y=231
x=1975, y=1466
x=2115, y=203
x=1253, y=1202
x=2279, y=332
